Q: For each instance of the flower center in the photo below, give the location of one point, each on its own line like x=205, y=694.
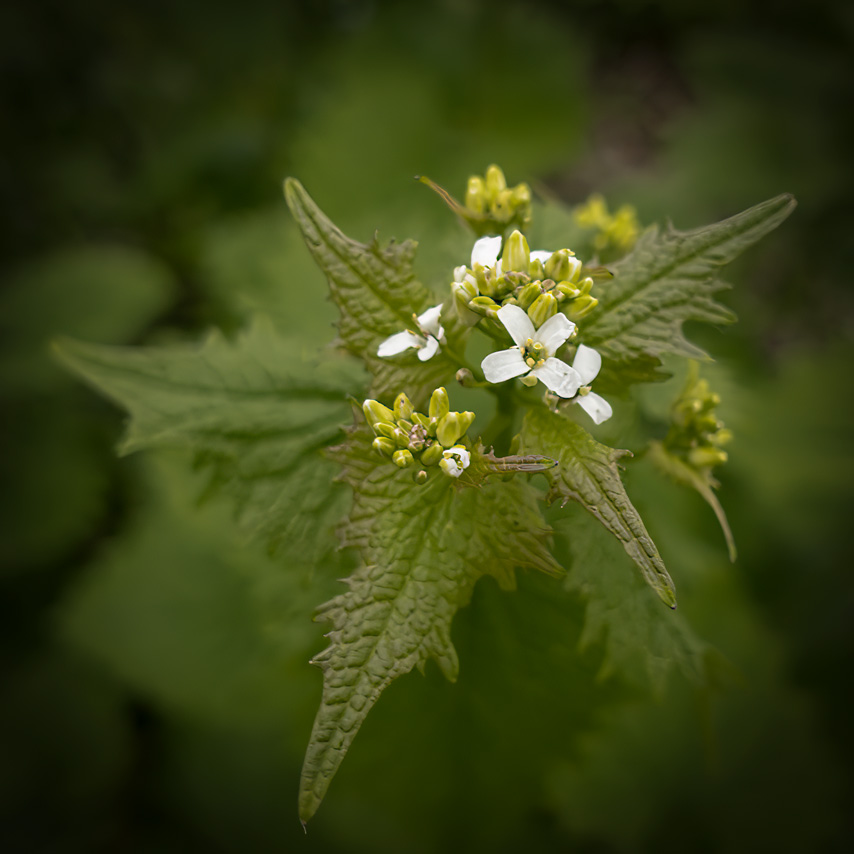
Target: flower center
x=533, y=353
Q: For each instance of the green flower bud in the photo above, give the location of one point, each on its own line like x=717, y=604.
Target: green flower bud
x=563, y=266
x=483, y=305
x=567, y=290
x=452, y=426
x=439, y=403
x=384, y=447
x=420, y=477
x=495, y=181
x=502, y=207
x=516, y=255
x=485, y=280
x=585, y=285
x=385, y=428
x=543, y=307
x=402, y=407
x=707, y=457
x=528, y=294
x=529, y=380
x=521, y=195
x=420, y=419
x=466, y=378
x=402, y=458
x=476, y=194
x=375, y=411
x=581, y=307
x=536, y=270
x=464, y=291
x=432, y=455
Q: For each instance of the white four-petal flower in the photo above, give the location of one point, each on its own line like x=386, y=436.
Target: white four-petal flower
x=427, y=343
x=455, y=460
x=534, y=352
x=587, y=363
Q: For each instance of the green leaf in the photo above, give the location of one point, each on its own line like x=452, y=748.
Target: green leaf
x=671, y=277
x=423, y=549
x=377, y=294
x=256, y=410
x=587, y=472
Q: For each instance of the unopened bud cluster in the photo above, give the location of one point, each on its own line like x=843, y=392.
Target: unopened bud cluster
x=696, y=434
x=542, y=283
x=411, y=438
x=494, y=205
x=616, y=232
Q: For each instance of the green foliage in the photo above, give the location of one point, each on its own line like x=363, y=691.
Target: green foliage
x=256, y=410
x=587, y=473
x=422, y=551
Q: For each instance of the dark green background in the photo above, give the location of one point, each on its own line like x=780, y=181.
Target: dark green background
x=156, y=694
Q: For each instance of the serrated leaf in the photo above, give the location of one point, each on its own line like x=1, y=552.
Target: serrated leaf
x=587, y=473
x=256, y=410
x=376, y=291
x=423, y=549
x=671, y=277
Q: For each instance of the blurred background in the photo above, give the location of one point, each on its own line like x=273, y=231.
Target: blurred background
x=156, y=695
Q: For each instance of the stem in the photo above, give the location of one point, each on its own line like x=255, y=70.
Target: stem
x=500, y=431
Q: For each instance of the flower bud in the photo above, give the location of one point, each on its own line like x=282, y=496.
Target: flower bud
x=465, y=290
x=521, y=195
x=707, y=457
x=402, y=458
x=528, y=294
x=375, y=411
x=465, y=378
x=585, y=285
x=567, y=290
x=536, y=270
x=452, y=426
x=432, y=455
x=543, y=307
x=439, y=404
x=420, y=477
x=495, y=181
x=476, y=194
x=563, y=266
x=483, y=305
x=581, y=307
x=420, y=419
x=516, y=255
x=384, y=447
x=402, y=407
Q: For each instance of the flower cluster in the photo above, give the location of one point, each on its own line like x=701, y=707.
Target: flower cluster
x=492, y=205
x=426, y=340
x=614, y=232
x=405, y=435
x=696, y=435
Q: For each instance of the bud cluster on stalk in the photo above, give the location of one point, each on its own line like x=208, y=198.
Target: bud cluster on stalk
x=540, y=285
x=410, y=438
x=696, y=434
x=615, y=233
x=494, y=205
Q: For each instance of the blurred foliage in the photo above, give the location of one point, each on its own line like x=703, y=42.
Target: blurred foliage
x=156, y=692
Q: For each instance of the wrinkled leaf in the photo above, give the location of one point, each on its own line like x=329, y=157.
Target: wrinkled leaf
x=423, y=549
x=587, y=473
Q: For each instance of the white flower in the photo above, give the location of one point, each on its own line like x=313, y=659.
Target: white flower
x=455, y=467
x=534, y=352
x=427, y=343
x=486, y=251
x=587, y=363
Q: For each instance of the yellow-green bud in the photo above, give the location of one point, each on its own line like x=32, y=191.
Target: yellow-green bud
x=402, y=407
x=528, y=380
x=385, y=428
x=485, y=283
x=707, y=457
x=432, y=455
x=465, y=378
x=536, y=270
x=420, y=419
x=495, y=181
x=384, y=447
x=521, y=195
x=563, y=266
x=452, y=426
x=528, y=294
x=439, y=403
x=502, y=207
x=476, y=194
x=402, y=458
x=420, y=477
x=375, y=411
x=723, y=436
x=464, y=290
x=585, y=285
x=516, y=255
x=567, y=290
x=483, y=305
x=581, y=307
x=543, y=307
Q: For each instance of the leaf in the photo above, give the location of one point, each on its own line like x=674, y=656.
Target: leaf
x=255, y=411
x=682, y=473
x=671, y=277
x=377, y=294
x=587, y=473
x=422, y=549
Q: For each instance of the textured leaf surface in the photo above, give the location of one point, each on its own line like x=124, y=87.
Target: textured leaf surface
x=423, y=549
x=671, y=277
x=256, y=410
x=377, y=294
x=587, y=473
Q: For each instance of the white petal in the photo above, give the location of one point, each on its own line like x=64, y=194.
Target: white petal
x=430, y=319
x=554, y=332
x=559, y=377
x=460, y=273
x=485, y=251
x=429, y=349
x=517, y=323
x=541, y=255
x=587, y=362
x=503, y=365
x=461, y=453
x=596, y=407
x=399, y=342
